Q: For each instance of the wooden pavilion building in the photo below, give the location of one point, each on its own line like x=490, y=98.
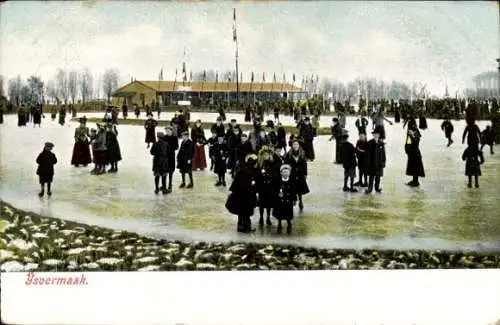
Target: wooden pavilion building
x=202, y=93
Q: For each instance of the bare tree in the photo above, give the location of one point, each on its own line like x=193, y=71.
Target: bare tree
x=73, y=85
x=110, y=82
x=51, y=91
x=35, y=85
x=62, y=85
x=25, y=94
x=14, y=90
x=85, y=81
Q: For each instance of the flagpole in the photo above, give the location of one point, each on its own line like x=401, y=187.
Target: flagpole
x=235, y=38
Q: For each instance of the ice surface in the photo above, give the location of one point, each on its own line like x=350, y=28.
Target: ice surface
x=443, y=213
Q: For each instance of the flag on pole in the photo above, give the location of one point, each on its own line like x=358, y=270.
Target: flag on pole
x=263, y=77
x=241, y=76
x=204, y=75
x=216, y=77
x=252, y=78
x=293, y=78
x=160, y=77
x=191, y=76
x=175, y=73
x=235, y=38
x=274, y=77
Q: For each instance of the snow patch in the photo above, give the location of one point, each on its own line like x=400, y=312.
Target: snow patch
x=149, y=268
x=52, y=262
x=109, y=260
x=12, y=266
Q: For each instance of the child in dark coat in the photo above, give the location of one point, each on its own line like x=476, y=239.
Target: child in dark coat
x=473, y=158
x=45, y=171
x=287, y=198
x=221, y=153
x=348, y=153
x=212, y=141
x=488, y=138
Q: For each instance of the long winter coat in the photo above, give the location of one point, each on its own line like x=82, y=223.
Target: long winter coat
x=298, y=162
x=281, y=135
x=81, y=150
x=361, y=155
x=243, y=149
x=267, y=184
x=348, y=152
x=221, y=154
x=185, y=156
x=218, y=129
x=336, y=131
x=473, y=159
x=414, y=166
x=159, y=150
x=37, y=116
x=150, y=126
x=285, y=198
x=46, y=161
x=173, y=145
x=99, y=148
x=473, y=134
x=233, y=141
x=307, y=133
x=243, y=200
x=376, y=158
x=199, y=140
x=113, y=146
x=21, y=117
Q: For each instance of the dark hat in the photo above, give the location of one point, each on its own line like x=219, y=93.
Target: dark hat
x=198, y=121
x=270, y=124
x=376, y=130
x=335, y=119
x=219, y=119
x=244, y=135
x=160, y=134
x=185, y=133
x=256, y=120
x=233, y=120
x=150, y=114
x=307, y=118
x=49, y=145
x=82, y=120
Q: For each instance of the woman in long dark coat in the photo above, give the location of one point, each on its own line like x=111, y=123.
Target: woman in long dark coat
x=113, y=153
x=185, y=160
x=267, y=183
x=297, y=160
x=414, y=166
x=473, y=158
x=173, y=145
x=199, y=140
x=159, y=150
x=37, y=116
x=150, y=126
x=45, y=171
x=21, y=116
x=81, y=150
x=397, y=114
x=242, y=200
x=62, y=115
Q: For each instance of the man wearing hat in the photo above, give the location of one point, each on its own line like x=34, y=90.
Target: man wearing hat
x=271, y=135
x=113, y=152
x=185, y=159
x=336, y=130
x=243, y=149
x=150, y=126
x=81, y=150
x=159, y=151
x=173, y=144
x=376, y=160
x=45, y=171
x=218, y=127
x=306, y=132
x=348, y=153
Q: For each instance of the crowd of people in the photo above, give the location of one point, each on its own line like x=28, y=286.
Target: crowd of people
x=268, y=171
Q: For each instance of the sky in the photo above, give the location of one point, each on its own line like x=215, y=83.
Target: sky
x=437, y=44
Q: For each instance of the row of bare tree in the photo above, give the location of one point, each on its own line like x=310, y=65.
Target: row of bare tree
x=66, y=87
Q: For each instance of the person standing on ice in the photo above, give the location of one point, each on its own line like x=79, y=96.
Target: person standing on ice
x=173, y=145
x=159, y=151
x=336, y=130
x=473, y=158
x=81, y=151
x=414, y=166
x=306, y=132
x=297, y=160
x=379, y=122
x=488, y=138
x=376, y=160
x=199, y=140
x=472, y=133
x=362, y=123
x=150, y=126
x=45, y=171
x=447, y=128
x=185, y=160
x=113, y=147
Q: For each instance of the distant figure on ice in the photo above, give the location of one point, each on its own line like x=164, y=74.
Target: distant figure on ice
x=472, y=133
x=285, y=198
x=473, y=158
x=81, y=150
x=199, y=140
x=281, y=137
x=488, y=138
x=336, y=130
x=45, y=171
x=348, y=152
x=185, y=160
x=376, y=160
x=150, y=125
x=137, y=111
x=1, y=113
x=21, y=116
x=448, y=129
x=306, y=132
x=159, y=150
x=37, y=116
x=113, y=147
x=62, y=115
x=414, y=166
x=125, y=111
x=53, y=113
